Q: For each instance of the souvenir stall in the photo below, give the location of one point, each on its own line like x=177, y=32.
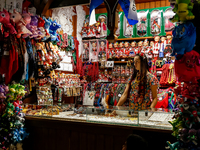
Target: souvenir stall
x=74, y=106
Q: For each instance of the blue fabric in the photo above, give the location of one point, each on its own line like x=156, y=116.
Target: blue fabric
x=125, y=7
x=94, y=4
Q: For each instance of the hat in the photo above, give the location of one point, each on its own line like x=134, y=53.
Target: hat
x=169, y=33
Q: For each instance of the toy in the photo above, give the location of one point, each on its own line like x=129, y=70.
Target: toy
x=33, y=26
x=110, y=51
x=121, y=50
x=91, y=31
x=132, y=50
x=184, y=38
x=84, y=31
x=183, y=10
x=128, y=29
x=126, y=50
x=189, y=64
x=97, y=29
x=155, y=22
x=41, y=29
x=168, y=49
x=46, y=27
x=162, y=47
x=116, y=48
x=8, y=28
x=142, y=24
x=139, y=47
x=52, y=30
x=103, y=31
x=27, y=19
x=145, y=46
x=156, y=46
x=85, y=51
x=17, y=19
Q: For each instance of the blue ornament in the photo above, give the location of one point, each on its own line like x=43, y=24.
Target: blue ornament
x=184, y=38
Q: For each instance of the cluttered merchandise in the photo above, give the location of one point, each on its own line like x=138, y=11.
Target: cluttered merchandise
x=47, y=71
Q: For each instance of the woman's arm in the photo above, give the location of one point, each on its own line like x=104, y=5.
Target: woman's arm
x=124, y=96
x=154, y=95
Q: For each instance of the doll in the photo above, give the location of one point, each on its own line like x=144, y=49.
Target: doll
x=126, y=49
x=84, y=31
x=132, y=49
x=141, y=27
x=102, y=50
x=121, y=50
x=129, y=29
x=53, y=28
x=150, y=52
x=97, y=29
x=140, y=47
x=168, y=49
x=146, y=46
x=156, y=46
x=85, y=51
x=91, y=31
x=162, y=47
x=116, y=49
x=110, y=51
x=94, y=50
x=103, y=31
x=123, y=80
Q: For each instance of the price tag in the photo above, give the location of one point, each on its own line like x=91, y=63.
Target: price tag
x=109, y=64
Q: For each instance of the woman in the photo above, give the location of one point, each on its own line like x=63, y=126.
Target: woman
x=139, y=86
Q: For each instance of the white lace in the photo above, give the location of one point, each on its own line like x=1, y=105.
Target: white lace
x=80, y=20
x=63, y=16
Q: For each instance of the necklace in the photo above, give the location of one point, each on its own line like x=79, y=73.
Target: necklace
x=171, y=74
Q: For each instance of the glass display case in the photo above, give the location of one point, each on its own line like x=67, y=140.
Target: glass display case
x=116, y=115
x=156, y=118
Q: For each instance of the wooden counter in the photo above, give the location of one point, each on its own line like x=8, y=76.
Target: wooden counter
x=60, y=134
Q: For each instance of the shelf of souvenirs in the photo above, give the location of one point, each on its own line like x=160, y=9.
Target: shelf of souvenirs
x=134, y=39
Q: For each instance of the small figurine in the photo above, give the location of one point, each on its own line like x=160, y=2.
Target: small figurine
x=129, y=29
x=150, y=52
x=156, y=46
x=116, y=48
x=91, y=31
x=146, y=46
x=84, y=31
x=126, y=49
x=93, y=54
x=102, y=50
x=103, y=32
x=132, y=49
x=162, y=47
x=140, y=47
x=141, y=26
x=121, y=50
x=110, y=51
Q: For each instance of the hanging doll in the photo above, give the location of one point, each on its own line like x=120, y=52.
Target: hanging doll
x=34, y=27
x=140, y=47
x=27, y=18
x=168, y=49
x=162, y=47
x=156, y=46
x=84, y=31
x=97, y=29
x=8, y=28
x=155, y=22
x=126, y=49
x=17, y=19
x=52, y=30
x=146, y=46
x=132, y=50
x=46, y=27
x=110, y=51
x=141, y=26
x=116, y=49
x=85, y=51
x=103, y=31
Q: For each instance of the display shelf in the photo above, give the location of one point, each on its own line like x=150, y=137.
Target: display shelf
x=132, y=39
x=120, y=62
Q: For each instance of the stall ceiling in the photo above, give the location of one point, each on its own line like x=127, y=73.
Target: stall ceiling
x=64, y=3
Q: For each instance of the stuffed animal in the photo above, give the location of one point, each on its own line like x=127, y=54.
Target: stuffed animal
x=27, y=18
x=7, y=26
x=184, y=37
x=183, y=10
x=33, y=26
x=41, y=29
x=54, y=26
x=46, y=27
x=17, y=19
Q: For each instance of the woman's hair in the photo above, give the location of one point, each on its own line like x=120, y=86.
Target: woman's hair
x=136, y=142
x=143, y=71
